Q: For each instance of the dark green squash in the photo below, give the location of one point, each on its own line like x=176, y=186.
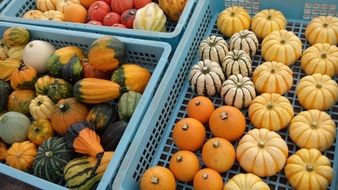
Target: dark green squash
x=73, y=71
x=5, y=91
x=127, y=104
x=101, y=115
x=112, y=136
x=59, y=89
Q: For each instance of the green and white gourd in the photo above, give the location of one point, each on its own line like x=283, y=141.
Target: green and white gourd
x=237, y=62
x=244, y=40
x=127, y=104
x=238, y=91
x=14, y=127
x=206, y=78
x=213, y=48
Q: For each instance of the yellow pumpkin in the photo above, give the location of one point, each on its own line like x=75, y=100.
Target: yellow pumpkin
x=53, y=15
x=33, y=14
x=46, y=5
x=320, y=58
x=313, y=129
x=151, y=17
x=262, y=152
x=267, y=21
x=21, y=155
x=232, y=20
x=62, y=4
x=281, y=46
x=317, y=91
x=246, y=181
x=272, y=77
x=309, y=169
x=8, y=67
x=323, y=29
x=172, y=8
x=270, y=111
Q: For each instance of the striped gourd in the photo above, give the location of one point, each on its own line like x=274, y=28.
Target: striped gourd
x=213, y=48
x=206, y=78
x=244, y=40
x=16, y=36
x=237, y=62
x=86, y=172
x=127, y=104
x=238, y=91
x=51, y=158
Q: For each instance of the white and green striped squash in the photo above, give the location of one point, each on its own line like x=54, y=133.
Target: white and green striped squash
x=244, y=40
x=213, y=48
x=237, y=62
x=127, y=104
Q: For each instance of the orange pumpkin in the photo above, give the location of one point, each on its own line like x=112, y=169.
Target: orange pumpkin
x=189, y=134
x=227, y=122
x=184, y=165
x=3, y=150
x=21, y=155
x=87, y=3
x=66, y=112
x=208, y=179
x=200, y=108
x=19, y=101
x=156, y=178
x=75, y=13
x=218, y=154
x=24, y=78
x=39, y=131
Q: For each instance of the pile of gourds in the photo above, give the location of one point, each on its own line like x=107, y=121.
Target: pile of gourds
x=226, y=69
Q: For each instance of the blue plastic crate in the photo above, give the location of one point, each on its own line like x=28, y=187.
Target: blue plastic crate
x=3, y=4
x=16, y=8
x=153, y=143
x=150, y=54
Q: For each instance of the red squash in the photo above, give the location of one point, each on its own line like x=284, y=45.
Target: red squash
x=141, y=3
x=119, y=6
x=107, y=1
x=118, y=26
x=95, y=22
x=128, y=17
x=90, y=72
x=98, y=10
x=111, y=18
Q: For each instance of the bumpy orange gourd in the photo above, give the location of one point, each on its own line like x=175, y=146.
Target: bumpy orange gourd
x=208, y=179
x=200, y=108
x=21, y=155
x=184, y=165
x=39, y=131
x=75, y=13
x=172, y=8
x=24, y=78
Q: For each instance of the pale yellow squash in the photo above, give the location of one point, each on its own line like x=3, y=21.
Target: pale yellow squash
x=45, y=5
x=246, y=181
x=53, y=15
x=323, y=29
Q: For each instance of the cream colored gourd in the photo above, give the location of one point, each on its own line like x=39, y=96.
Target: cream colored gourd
x=16, y=52
x=272, y=77
x=53, y=15
x=232, y=20
x=282, y=46
x=213, y=48
x=313, y=129
x=244, y=40
x=41, y=107
x=62, y=4
x=46, y=5
x=262, y=152
x=237, y=62
x=246, y=181
x=320, y=58
x=150, y=17
x=323, y=29
x=270, y=111
x=33, y=14
x=317, y=91
x=267, y=21
x=309, y=169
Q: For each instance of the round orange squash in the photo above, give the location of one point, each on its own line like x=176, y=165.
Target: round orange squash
x=39, y=131
x=200, y=108
x=156, y=178
x=227, y=122
x=184, y=165
x=75, y=13
x=208, y=179
x=87, y=3
x=19, y=101
x=21, y=155
x=24, y=78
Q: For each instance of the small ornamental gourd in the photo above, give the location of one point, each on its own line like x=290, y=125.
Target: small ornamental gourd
x=267, y=21
x=53, y=15
x=262, y=152
x=8, y=67
x=213, y=48
x=111, y=137
x=3, y=50
x=41, y=107
x=24, y=78
x=33, y=14
x=237, y=62
x=151, y=17
x=184, y=165
x=101, y=116
x=13, y=127
x=238, y=91
x=270, y=111
x=21, y=155
x=46, y=5
x=5, y=91
x=226, y=20
x=19, y=101
x=127, y=104
x=173, y=9
x=208, y=179
x=206, y=78
x=309, y=169
x=320, y=58
x=59, y=89
x=16, y=52
x=42, y=84
x=246, y=181
x=39, y=131
x=322, y=29
x=244, y=40
x=317, y=92
x=273, y=77
x=16, y=36
x=282, y=46
x=200, y=108
x=157, y=177
x=313, y=129
x=62, y=4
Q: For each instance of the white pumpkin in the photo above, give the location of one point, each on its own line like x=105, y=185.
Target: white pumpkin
x=244, y=40
x=13, y=127
x=36, y=54
x=237, y=62
x=213, y=48
x=150, y=17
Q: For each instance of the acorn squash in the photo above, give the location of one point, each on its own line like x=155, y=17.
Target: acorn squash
x=101, y=116
x=59, y=89
x=127, y=104
x=112, y=136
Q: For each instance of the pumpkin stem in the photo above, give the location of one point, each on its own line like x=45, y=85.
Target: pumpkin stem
x=205, y=70
x=205, y=176
x=269, y=106
x=318, y=86
x=154, y=180
x=185, y=127
x=63, y=107
x=215, y=144
x=49, y=153
x=38, y=102
x=179, y=158
x=273, y=71
x=282, y=41
x=232, y=14
x=325, y=25
x=309, y=168
x=261, y=144
x=269, y=17
x=323, y=55
x=224, y=115
x=21, y=66
x=313, y=125
x=197, y=103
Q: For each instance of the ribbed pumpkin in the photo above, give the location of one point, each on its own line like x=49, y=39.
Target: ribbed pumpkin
x=3, y=50
x=61, y=4
x=206, y=78
x=65, y=113
x=86, y=172
x=172, y=8
x=21, y=155
x=53, y=16
x=267, y=21
x=320, y=58
x=313, y=129
x=237, y=62
x=51, y=158
x=317, y=92
x=41, y=107
x=127, y=104
x=42, y=84
x=24, y=78
x=111, y=137
x=226, y=20
x=273, y=77
x=282, y=46
x=323, y=29
x=19, y=101
x=157, y=177
x=271, y=111
x=208, y=179
x=93, y=91
x=46, y=5
x=16, y=52
x=238, y=91
x=309, y=169
x=150, y=17
x=106, y=53
x=244, y=40
x=5, y=91
x=262, y=152
x=101, y=116
x=8, y=67
x=246, y=181
x=59, y=89
x=16, y=36
x=33, y=14
x=13, y=127
x=39, y=131
x=213, y=48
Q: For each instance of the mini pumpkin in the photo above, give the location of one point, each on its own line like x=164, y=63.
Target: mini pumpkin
x=244, y=40
x=282, y=46
x=8, y=67
x=59, y=89
x=24, y=78
x=262, y=152
x=320, y=58
x=33, y=14
x=41, y=107
x=173, y=9
x=62, y=4
x=151, y=17
x=42, y=84
x=21, y=155
x=206, y=78
x=273, y=77
x=184, y=165
x=53, y=16
x=322, y=29
x=309, y=169
x=246, y=181
x=237, y=62
x=208, y=179
x=317, y=91
x=13, y=127
x=19, y=101
x=157, y=177
x=16, y=36
x=39, y=131
x=46, y=5
x=213, y=48
x=200, y=108
x=16, y=52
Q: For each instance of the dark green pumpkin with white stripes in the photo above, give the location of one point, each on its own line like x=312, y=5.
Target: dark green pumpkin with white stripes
x=127, y=104
x=51, y=158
